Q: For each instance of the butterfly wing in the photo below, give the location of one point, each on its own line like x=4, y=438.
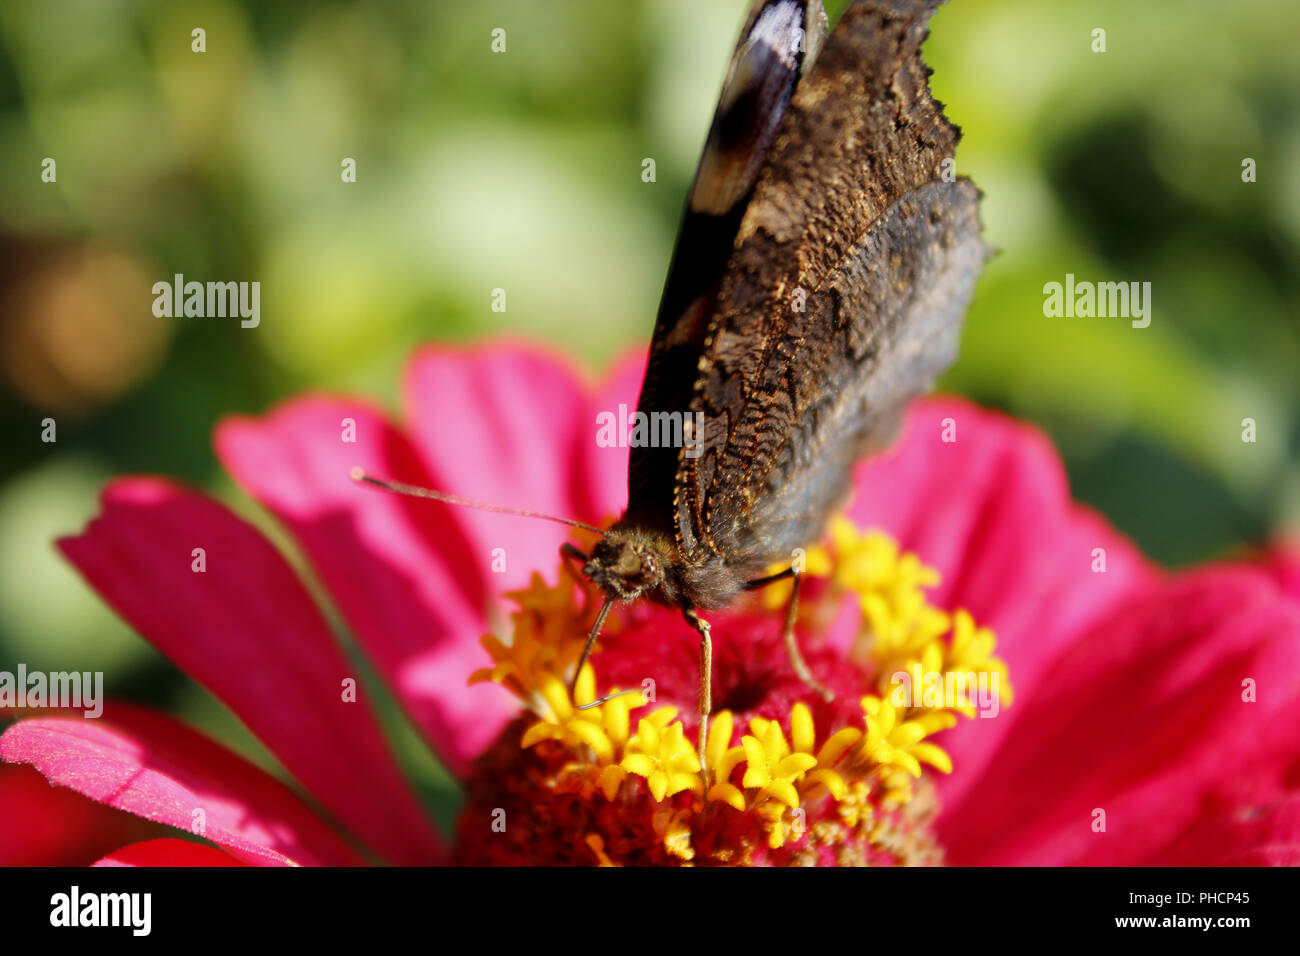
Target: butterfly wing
x=843, y=298
x=779, y=40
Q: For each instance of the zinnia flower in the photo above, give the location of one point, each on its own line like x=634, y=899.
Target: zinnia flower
x=1152, y=720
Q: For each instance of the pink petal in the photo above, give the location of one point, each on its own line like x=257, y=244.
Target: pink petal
x=147, y=764
x=992, y=512
x=1144, y=718
x=248, y=631
x=506, y=425
x=42, y=825
x=167, y=852
x=402, y=571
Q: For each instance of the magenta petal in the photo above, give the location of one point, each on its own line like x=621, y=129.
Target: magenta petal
x=506, y=425
x=1267, y=834
x=147, y=764
x=992, y=511
x=167, y=852
x=1283, y=561
x=247, y=630
x=1144, y=718
x=59, y=827
x=401, y=570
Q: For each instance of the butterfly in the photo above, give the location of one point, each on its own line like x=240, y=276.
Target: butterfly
x=824, y=264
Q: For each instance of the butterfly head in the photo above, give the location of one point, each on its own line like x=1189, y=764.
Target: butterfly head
x=627, y=565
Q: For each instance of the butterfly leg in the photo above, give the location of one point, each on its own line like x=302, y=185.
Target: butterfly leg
x=704, y=701
x=571, y=552
x=591, y=642
x=800, y=666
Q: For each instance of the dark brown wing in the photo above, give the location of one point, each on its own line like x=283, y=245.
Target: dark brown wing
x=849, y=213
x=779, y=39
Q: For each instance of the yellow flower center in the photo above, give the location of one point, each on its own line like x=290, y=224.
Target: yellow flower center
x=786, y=790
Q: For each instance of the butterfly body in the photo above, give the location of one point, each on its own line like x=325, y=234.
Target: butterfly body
x=630, y=563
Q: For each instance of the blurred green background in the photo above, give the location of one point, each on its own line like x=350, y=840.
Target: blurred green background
x=522, y=170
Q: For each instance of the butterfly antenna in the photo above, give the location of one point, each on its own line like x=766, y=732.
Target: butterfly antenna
x=414, y=491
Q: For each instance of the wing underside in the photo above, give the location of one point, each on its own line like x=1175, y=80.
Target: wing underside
x=843, y=298
x=812, y=294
